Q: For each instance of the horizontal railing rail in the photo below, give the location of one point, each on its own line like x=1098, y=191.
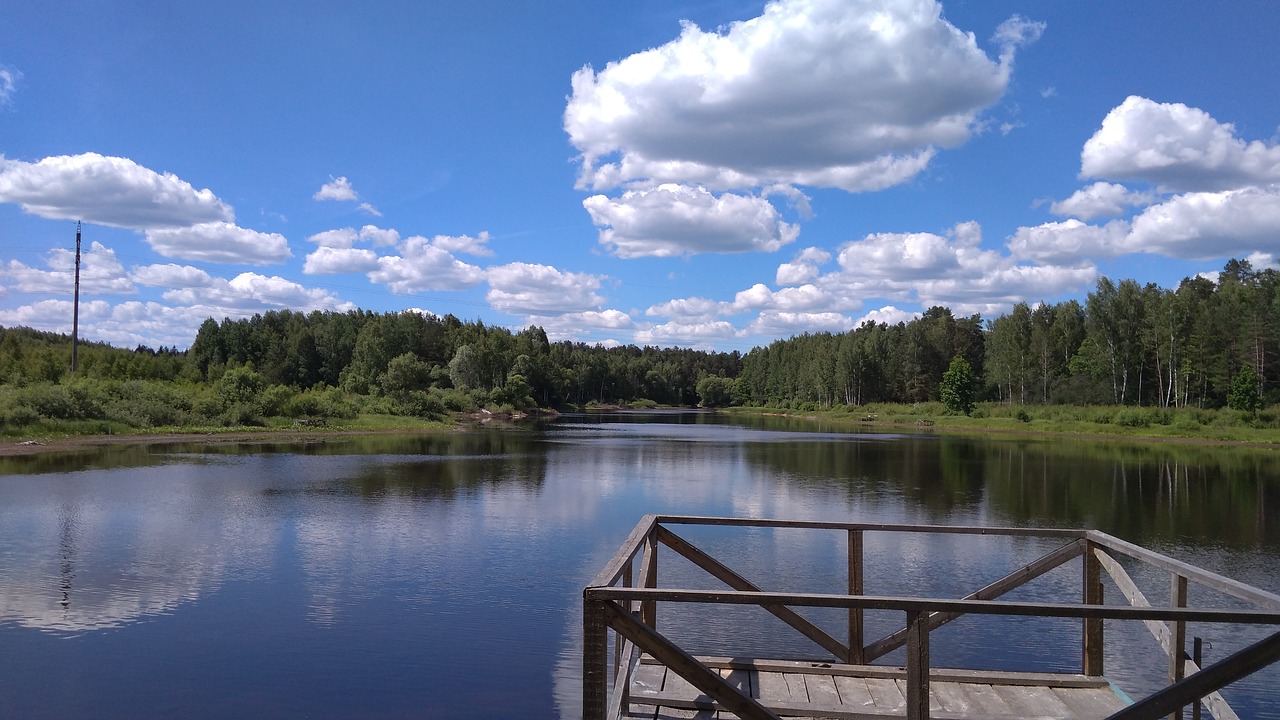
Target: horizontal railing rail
x=629, y=610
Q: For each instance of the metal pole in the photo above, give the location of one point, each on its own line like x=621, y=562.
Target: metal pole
x=75, y=311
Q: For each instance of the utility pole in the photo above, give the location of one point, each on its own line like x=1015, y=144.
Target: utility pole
x=75, y=312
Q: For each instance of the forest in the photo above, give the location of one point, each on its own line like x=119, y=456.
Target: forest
x=1207, y=344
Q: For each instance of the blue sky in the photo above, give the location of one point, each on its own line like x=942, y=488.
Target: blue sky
x=710, y=174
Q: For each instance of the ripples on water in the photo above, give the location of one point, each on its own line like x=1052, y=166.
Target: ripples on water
x=441, y=576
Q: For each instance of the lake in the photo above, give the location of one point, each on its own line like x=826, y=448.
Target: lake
x=441, y=576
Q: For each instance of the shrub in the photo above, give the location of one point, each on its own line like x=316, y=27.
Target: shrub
x=1023, y=416
x=1132, y=417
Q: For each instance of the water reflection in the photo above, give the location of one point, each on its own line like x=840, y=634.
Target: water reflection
x=385, y=569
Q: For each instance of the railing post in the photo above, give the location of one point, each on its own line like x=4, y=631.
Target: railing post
x=617, y=636
x=1177, y=635
x=856, y=633
x=917, y=665
x=595, y=658
x=649, y=571
x=1092, y=640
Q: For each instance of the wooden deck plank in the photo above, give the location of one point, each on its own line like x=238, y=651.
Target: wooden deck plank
x=854, y=694
x=1027, y=700
x=948, y=696
x=1090, y=703
x=660, y=694
x=795, y=684
x=886, y=694
x=647, y=680
x=771, y=687
x=986, y=699
x=822, y=691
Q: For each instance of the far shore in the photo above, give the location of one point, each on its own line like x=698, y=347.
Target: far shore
x=18, y=447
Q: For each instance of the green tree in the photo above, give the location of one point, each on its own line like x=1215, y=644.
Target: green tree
x=715, y=391
x=1244, y=394
x=957, y=388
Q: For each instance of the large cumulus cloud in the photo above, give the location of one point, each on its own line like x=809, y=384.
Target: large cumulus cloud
x=851, y=94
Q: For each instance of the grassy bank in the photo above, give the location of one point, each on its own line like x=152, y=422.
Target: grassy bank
x=1193, y=424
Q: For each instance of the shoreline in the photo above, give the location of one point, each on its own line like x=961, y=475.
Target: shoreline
x=71, y=443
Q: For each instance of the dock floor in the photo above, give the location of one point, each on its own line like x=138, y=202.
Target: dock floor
x=863, y=692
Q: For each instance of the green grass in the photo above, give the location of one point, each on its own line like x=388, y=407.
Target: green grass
x=1113, y=421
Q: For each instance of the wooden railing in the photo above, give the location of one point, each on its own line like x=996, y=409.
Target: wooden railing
x=625, y=602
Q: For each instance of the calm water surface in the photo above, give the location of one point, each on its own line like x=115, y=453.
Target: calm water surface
x=442, y=576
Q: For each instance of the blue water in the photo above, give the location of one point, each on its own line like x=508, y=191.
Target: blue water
x=441, y=577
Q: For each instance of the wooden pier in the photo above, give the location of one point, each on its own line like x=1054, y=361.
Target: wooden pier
x=632, y=670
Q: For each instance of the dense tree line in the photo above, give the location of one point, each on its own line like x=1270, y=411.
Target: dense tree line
x=1206, y=344
x=1128, y=344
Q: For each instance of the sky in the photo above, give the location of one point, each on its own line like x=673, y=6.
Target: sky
x=714, y=174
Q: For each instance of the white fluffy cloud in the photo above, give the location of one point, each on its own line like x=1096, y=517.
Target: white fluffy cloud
x=422, y=266
x=522, y=288
x=671, y=220
x=694, y=308
x=1101, y=199
x=100, y=273
x=327, y=260
x=219, y=242
x=696, y=333
x=853, y=94
x=477, y=245
x=1070, y=241
x=110, y=191
x=601, y=325
x=785, y=324
x=804, y=268
x=348, y=237
x=337, y=189
x=1210, y=224
x=887, y=315
x=951, y=270
x=250, y=291
x=171, y=276
x=1177, y=147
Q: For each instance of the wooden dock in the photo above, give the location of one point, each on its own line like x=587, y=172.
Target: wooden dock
x=861, y=692
x=632, y=670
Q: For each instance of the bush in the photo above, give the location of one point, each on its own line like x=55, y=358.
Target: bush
x=1132, y=417
x=420, y=403
x=1023, y=416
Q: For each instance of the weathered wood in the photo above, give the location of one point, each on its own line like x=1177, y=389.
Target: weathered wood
x=877, y=527
x=854, y=693
x=723, y=573
x=906, y=604
x=595, y=658
x=1091, y=644
x=1178, y=641
x=917, y=666
x=1026, y=701
x=886, y=694
x=626, y=553
x=1013, y=580
x=822, y=690
x=1217, y=705
x=649, y=579
x=715, y=687
x=856, y=626
x=1223, y=584
x=685, y=665
x=989, y=677
x=1212, y=678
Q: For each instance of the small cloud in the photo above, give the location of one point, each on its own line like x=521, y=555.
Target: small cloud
x=8, y=84
x=366, y=207
x=1014, y=34
x=1049, y=92
x=337, y=189
x=1008, y=127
